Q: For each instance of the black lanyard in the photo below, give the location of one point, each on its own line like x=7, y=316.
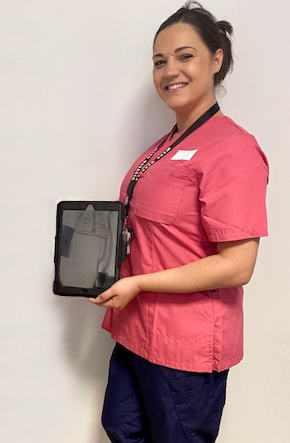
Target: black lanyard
x=142, y=168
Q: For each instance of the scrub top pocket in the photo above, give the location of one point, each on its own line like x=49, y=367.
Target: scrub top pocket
x=160, y=192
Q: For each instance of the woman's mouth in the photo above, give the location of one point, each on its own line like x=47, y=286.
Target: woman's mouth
x=175, y=87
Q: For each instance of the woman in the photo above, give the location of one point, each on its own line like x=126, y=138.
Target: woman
x=197, y=210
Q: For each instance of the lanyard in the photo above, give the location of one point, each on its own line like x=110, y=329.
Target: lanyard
x=142, y=168
x=128, y=233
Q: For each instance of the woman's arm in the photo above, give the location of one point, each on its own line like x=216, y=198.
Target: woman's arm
x=233, y=265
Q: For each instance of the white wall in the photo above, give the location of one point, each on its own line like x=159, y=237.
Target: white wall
x=77, y=105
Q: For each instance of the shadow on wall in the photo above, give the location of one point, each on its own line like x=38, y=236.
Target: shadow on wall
x=86, y=345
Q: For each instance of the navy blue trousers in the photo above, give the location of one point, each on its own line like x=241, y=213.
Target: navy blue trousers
x=149, y=403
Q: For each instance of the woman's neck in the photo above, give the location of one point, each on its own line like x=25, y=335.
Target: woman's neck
x=184, y=122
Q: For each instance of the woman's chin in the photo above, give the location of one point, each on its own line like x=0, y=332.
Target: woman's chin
x=177, y=107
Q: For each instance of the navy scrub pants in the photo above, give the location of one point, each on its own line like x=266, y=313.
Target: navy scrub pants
x=149, y=403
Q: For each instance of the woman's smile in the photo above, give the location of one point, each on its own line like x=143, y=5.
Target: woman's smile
x=170, y=89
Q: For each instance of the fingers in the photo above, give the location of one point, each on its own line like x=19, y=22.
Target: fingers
x=105, y=296
x=111, y=303
x=105, y=299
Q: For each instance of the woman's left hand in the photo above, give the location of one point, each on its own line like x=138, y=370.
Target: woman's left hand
x=119, y=294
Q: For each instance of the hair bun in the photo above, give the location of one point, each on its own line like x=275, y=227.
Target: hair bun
x=191, y=4
x=188, y=5
x=224, y=27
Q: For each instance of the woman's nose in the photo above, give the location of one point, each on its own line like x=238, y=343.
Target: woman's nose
x=170, y=69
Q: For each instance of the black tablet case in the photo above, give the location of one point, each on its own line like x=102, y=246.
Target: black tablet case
x=89, y=247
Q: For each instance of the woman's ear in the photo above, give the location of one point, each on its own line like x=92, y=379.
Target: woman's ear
x=217, y=60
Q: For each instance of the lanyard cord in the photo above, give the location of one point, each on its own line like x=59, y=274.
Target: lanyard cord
x=202, y=119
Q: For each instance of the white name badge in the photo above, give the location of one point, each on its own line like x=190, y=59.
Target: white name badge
x=184, y=155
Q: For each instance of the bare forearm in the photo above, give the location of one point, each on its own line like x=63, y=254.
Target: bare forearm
x=210, y=272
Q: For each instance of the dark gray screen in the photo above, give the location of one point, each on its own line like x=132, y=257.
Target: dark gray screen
x=88, y=248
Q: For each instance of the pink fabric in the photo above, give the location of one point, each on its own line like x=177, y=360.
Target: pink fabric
x=179, y=210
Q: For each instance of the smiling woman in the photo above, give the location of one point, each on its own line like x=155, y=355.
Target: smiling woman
x=197, y=210
x=191, y=57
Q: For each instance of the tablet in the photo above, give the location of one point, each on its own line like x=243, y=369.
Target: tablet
x=89, y=247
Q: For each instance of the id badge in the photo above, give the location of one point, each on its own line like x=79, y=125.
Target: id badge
x=127, y=237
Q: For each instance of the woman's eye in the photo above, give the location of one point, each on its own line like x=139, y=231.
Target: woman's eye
x=158, y=62
x=186, y=56
x=182, y=57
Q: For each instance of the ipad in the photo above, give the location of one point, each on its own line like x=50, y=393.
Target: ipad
x=89, y=247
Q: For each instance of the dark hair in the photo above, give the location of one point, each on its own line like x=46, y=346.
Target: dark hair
x=212, y=32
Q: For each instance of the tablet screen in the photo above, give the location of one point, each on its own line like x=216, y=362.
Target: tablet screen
x=87, y=240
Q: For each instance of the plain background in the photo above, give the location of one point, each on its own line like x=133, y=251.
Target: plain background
x=77, y=106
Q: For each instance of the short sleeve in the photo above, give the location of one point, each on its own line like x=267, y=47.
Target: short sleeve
x=232, y=190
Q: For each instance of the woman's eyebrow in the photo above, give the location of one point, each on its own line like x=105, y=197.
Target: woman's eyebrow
x=176, y=50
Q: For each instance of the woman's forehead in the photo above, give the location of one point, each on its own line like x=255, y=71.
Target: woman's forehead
x=177, y=35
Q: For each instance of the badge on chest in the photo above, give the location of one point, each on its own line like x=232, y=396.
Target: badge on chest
x=184, y=154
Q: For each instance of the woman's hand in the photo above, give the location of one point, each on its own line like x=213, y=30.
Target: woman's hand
x=118, y=295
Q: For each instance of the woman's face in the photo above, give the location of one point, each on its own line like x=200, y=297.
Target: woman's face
x=181, y=58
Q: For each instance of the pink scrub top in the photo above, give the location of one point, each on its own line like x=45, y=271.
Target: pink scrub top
x=210, y=188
